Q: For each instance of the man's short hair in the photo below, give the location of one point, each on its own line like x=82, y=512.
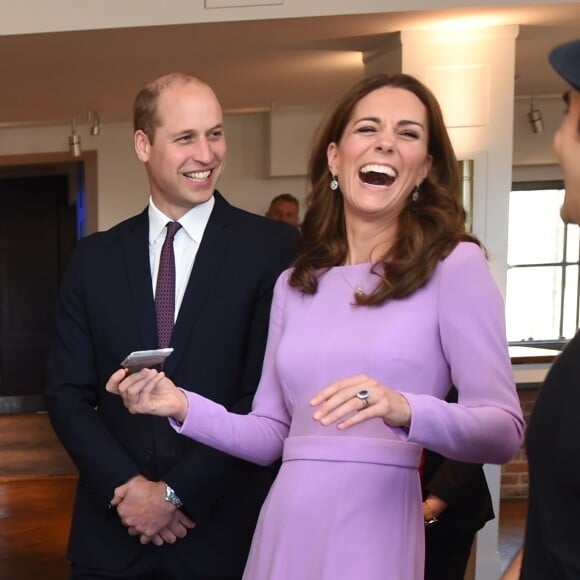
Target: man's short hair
x=145, y=106
x=285, y=197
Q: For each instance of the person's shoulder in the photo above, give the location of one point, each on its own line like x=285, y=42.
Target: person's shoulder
x=467, y=259
x=284, y=278
x=258, y=221
x=466, y=251
x=462, y=254
x=128, y=224
x=114, y=233
x=283, y=286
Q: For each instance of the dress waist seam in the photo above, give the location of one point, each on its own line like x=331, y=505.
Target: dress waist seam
x=352, y=449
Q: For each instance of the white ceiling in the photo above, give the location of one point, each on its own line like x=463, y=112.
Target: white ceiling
x=252, y=65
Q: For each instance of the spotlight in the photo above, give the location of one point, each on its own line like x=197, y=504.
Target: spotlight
x=74, y=140
x=95, y=123
x=535, y=118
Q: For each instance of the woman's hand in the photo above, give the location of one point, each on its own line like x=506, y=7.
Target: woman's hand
x=358, y=399
x=149, y=392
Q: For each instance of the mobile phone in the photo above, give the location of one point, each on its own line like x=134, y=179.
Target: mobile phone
x=140, y=359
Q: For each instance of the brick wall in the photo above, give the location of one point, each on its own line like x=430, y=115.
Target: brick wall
x=514, y=475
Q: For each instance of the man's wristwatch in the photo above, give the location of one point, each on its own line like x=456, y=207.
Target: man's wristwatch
x=428, y=516
x=172, y=497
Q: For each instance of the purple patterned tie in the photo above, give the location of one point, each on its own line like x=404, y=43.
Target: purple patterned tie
x=165, y=290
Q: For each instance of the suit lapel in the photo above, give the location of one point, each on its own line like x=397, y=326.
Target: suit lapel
x=210, y=258
x=138, y=269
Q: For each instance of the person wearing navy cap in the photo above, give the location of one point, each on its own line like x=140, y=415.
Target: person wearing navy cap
x=566, y=61
x=552, y=537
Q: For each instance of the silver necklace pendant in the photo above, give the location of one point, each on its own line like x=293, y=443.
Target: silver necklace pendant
x=357, y=290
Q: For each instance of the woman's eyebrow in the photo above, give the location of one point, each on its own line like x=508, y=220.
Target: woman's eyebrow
x=399, y=123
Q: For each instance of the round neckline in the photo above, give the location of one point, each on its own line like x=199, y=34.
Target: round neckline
x=368, y=265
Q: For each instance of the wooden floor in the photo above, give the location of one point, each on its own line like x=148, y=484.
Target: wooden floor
x=34, y=524
x=37, y=482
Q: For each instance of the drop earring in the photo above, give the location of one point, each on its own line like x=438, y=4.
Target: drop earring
x=334, y=183
x=415, y=194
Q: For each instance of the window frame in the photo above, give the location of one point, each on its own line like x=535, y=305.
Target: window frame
x=560, y=343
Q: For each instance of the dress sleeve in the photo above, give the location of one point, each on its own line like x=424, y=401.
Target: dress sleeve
x=258, y=436
x=486, y=424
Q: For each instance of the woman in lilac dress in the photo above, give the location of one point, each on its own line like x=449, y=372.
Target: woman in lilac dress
x=389, y=303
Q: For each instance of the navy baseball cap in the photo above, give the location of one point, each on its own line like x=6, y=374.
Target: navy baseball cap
x=566, y=62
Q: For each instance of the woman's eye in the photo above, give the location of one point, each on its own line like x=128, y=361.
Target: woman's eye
x=410, y=134
x=367, y=129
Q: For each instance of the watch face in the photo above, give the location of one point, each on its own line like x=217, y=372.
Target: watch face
x=172, y=497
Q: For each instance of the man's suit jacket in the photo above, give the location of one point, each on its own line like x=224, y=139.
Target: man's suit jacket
x=463, y=487
x=106, y=309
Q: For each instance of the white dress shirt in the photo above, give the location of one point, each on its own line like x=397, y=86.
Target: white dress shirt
x=185, y=243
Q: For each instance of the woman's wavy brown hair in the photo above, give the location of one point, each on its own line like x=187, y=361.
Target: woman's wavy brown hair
x=429, y=228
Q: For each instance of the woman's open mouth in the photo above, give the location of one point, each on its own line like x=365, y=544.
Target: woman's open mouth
x=374, y=174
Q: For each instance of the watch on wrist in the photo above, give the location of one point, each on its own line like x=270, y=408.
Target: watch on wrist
x=172, y=497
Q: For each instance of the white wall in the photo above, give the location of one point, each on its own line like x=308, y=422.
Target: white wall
x=246, y=181
x=536, y=148
x=121, y=180
x=122, y=186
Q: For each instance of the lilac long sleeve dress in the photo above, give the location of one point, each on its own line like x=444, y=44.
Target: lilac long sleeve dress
x=347, y=504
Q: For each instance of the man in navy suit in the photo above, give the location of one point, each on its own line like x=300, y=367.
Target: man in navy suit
x=149, y=503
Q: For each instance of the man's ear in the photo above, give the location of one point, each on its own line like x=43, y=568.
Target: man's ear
x=142, y=146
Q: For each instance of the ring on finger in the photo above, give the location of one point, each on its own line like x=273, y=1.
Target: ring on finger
x=363, y=395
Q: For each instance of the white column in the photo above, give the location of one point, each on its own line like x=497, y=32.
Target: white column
x=471, y=72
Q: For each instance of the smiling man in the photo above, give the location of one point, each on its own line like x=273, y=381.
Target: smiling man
x=150, y=503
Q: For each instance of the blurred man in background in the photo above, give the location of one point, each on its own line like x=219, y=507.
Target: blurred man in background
x=284, y=208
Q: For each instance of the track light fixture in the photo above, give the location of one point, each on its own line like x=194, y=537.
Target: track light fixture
x=535, y=118
x=95, y=123
x=74, y=140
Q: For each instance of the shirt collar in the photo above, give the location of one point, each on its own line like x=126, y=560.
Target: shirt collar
x=193, y=222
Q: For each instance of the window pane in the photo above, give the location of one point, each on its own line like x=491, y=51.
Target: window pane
x=572, y=251
x=535, y=228
x=533, y=303
x=570, y=301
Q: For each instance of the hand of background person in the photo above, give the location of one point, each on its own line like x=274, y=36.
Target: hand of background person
x=339, y=403
x=435, y=504
x=142, y=507
x=149, y=392
x=177, y=528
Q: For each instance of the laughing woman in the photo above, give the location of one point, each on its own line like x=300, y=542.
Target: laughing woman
x=389, y=303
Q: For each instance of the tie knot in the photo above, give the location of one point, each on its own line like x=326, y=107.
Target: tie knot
x=172, y=228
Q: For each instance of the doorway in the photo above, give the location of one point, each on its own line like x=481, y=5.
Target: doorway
x=38, y=231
